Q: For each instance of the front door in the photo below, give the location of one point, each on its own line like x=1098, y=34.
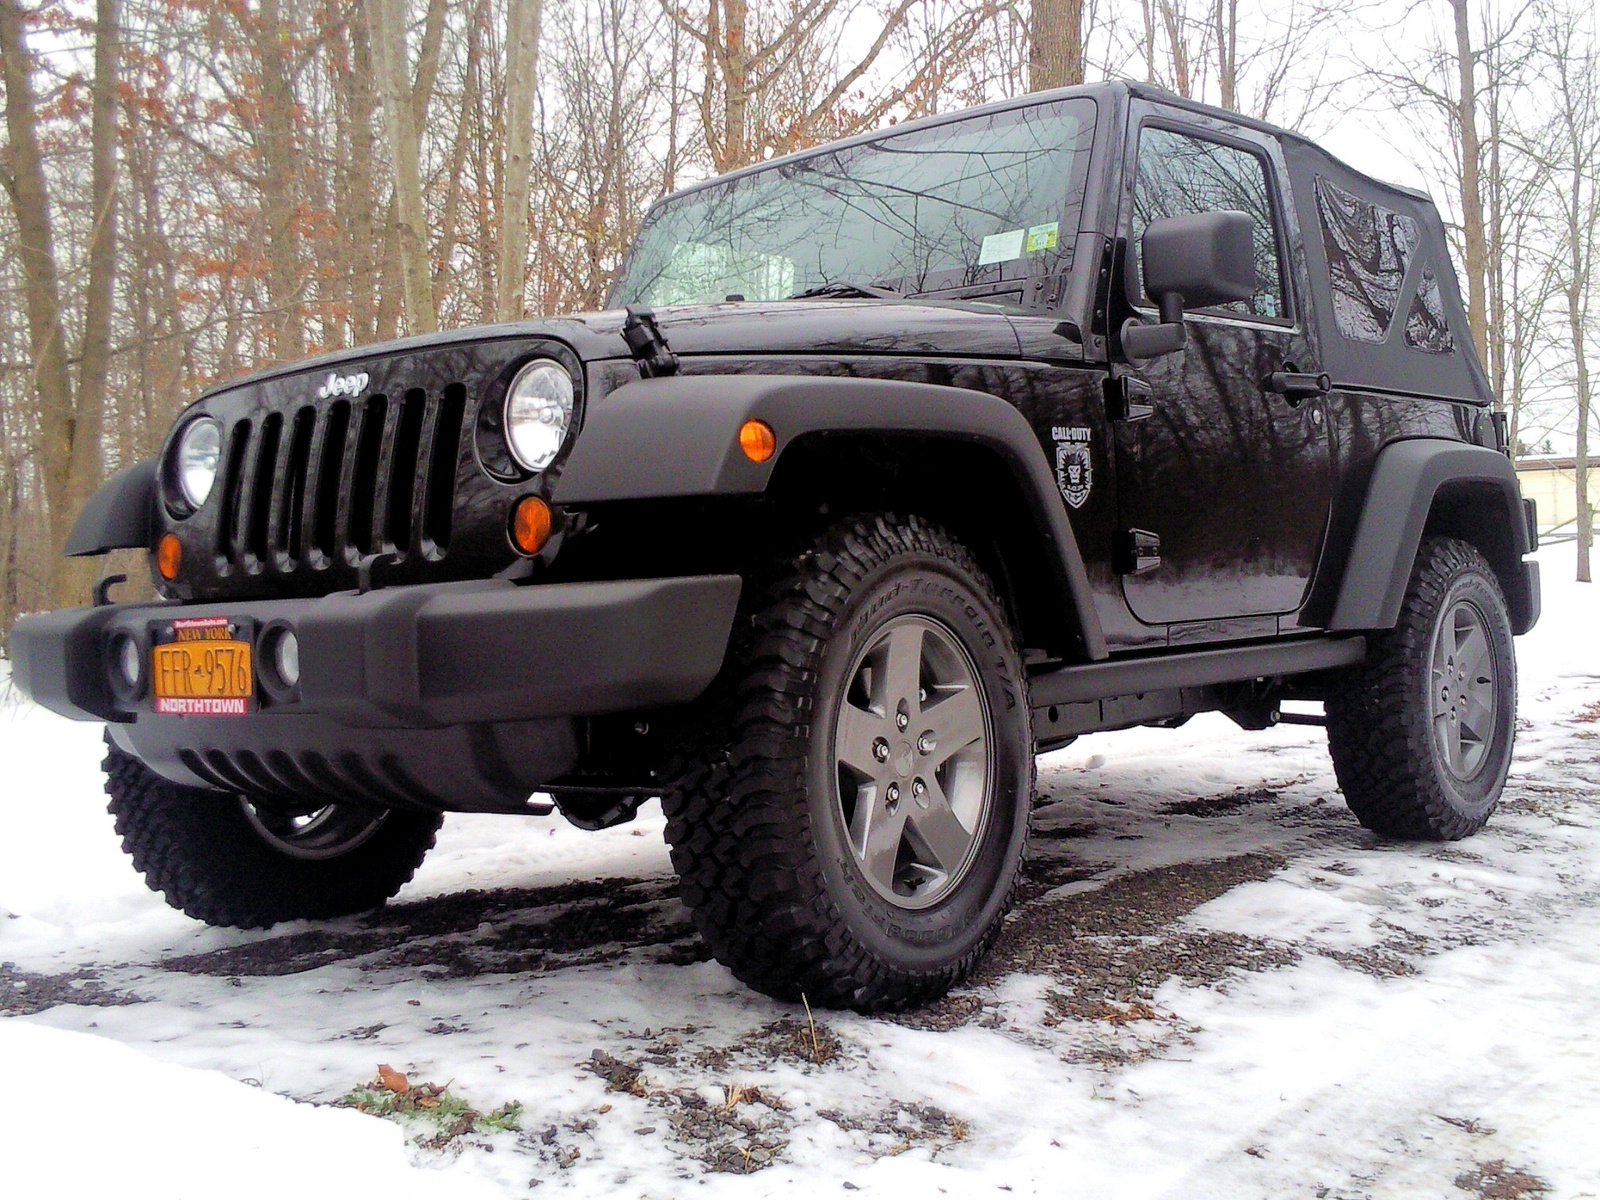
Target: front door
x=1223, y=487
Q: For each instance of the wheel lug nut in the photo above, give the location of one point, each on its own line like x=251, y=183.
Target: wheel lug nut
x=880, y=750
x=893, y=796
x=918, y=788
x=926, y=744
x=901, y=720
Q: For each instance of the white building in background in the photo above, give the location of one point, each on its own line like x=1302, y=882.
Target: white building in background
x=1552, y=483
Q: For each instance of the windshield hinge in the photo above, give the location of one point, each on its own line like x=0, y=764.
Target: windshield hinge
x=645, y=343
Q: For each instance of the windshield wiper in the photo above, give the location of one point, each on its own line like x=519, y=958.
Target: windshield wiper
x=841, y=289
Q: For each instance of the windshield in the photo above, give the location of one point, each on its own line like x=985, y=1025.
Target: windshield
x=961, y=207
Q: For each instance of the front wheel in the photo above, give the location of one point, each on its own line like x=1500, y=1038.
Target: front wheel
x=851, y=825
x=238, y=861
x=1421, y=733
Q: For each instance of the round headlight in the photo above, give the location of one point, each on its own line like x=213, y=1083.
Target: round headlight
x=199, y=451
x=538, y=413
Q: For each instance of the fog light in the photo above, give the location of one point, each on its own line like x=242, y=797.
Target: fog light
x=169, y=555
x=130, y=661
x=531, y=522
x=286, y=658
x=757, y=440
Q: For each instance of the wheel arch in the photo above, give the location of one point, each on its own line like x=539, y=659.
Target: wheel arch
x=964, y=458
x=1434, y=487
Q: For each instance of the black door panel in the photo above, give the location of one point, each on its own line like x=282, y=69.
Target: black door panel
x=1224, y=489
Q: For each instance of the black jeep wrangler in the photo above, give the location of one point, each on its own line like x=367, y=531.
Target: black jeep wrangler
x=896, y=463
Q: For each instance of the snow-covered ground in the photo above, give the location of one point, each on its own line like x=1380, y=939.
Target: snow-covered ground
x=1219, y=985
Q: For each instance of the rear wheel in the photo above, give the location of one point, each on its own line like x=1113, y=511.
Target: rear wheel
x=1421, y=733
x=851, y=824
x=240, y=861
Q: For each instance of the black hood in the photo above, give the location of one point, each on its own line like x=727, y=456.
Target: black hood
x=810, y=327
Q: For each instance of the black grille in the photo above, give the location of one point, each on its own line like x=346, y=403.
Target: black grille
x=333, y=481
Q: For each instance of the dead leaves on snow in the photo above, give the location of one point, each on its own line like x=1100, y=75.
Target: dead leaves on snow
x=425, y=1107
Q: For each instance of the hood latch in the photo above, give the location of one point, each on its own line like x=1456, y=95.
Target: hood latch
x=645, y=343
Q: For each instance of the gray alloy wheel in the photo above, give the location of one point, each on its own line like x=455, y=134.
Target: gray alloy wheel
x=912, y=743
x=320, y=833
x=1463, y=700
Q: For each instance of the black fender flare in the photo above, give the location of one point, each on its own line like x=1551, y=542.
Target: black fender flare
x=121, y=515
x=678, y=436
x=1407, y=479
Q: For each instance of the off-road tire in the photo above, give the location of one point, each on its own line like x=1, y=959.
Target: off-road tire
x=200, y=850
x=1380, y=726
x=751, y=817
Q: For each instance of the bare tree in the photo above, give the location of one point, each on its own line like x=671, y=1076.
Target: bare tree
x=71, y=417
x=754, y=100
x=1572, y=60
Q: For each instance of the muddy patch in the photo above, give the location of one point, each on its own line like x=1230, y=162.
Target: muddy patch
x=508, y=930
x=23, y=993
x=1216, y=806
x=1498, y=1181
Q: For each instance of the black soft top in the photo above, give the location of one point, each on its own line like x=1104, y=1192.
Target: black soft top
x=1384, y=290
x=1388, y=304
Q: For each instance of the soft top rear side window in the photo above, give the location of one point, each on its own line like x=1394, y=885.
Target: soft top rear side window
x=1371, y=252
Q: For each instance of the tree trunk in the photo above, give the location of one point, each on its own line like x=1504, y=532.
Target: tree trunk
x=736, y=86
x=522, y=61
x=1173, y=21
x=275, y=141
x=1580, y=250
x=362, y=242
x=386, y=21
x=1471, y=190
x=1055, y=51
x=1227, y=34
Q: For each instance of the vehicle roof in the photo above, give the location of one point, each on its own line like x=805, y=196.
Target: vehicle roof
x=1113, y=90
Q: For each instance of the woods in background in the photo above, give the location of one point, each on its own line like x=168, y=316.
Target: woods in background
x=194, y=189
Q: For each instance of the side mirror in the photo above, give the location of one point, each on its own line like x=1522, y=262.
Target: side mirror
x=1192, y=261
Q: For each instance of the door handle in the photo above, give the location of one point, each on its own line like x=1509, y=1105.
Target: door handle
x=1295, y=386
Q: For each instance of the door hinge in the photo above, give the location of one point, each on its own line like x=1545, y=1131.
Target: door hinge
x=1138, y=551
x=1128, y=399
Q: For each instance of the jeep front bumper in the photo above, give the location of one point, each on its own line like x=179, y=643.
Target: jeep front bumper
x=454, y=695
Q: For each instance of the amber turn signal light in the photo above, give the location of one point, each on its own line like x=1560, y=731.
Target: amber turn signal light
x=530, y=524
x=169, y=555
x=757, y=440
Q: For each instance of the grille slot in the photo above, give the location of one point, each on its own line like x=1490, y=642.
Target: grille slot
x=330, y=474
x=232, y=493
x=442, y=459
x=266, y=466
x=364, y=481
x=403, y=470
x=292, y=494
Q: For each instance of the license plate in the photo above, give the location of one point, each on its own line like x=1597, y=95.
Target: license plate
x=200, y=667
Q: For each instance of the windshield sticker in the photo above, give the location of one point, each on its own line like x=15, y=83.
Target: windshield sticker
x=1043, y=237
x=1001, y=247
x=1074, y=463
